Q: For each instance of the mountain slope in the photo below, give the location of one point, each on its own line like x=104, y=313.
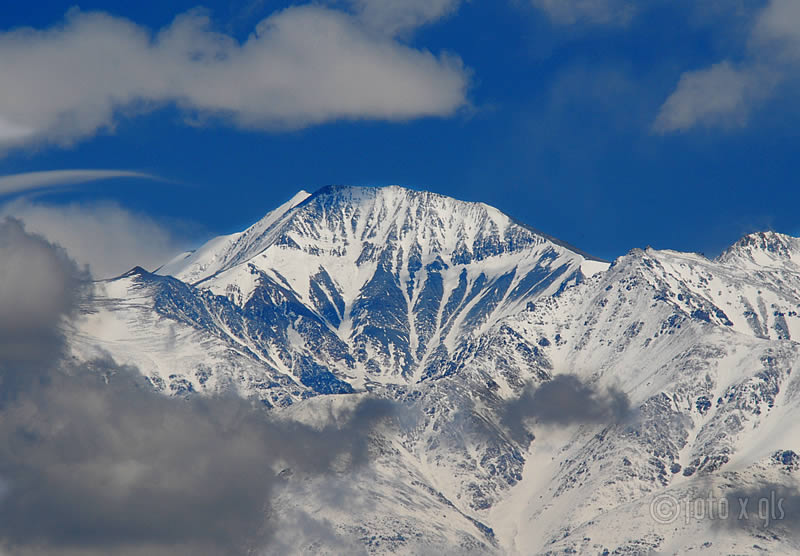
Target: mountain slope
x=714, y=400
x=457, y=313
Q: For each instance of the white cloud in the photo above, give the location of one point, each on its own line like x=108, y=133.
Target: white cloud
x=300, y=66
x=105, y=236
x=606, y=12
x=721, y=95
x=778, y=27
x=393, y=17
x=725, y=93
x=30, y=181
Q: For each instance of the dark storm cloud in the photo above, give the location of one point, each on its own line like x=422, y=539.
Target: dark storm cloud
x=564, y=400
x=93, y=462
x=107, y=465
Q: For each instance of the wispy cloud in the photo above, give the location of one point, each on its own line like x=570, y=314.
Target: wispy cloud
x=31, y=181
x=721, y=95
x=600, y=12
x=301, y=66
x=393, y=17
x=103, y=235
x=725, y=93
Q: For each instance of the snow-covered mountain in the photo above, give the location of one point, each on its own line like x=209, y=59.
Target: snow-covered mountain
x=351, y=287
x=458, y=313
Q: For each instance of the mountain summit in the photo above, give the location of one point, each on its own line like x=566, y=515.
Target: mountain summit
x=401, y=274
x=764, y=249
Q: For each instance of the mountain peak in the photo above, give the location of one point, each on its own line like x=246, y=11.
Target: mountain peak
x=401, y=273
x=764, y=249
x=340, y=218
x=387, y=194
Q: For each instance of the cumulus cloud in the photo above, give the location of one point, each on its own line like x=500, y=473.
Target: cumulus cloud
x=39, y=287
x=726, y=93
x=92, y=461
x=301, y=66
x=31, y=181
x=605, y=12
x=37, y=280
x=107, y=237
x=564, y=400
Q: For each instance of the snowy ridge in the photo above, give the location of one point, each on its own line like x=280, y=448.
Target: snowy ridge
x=451, y=309
x=194, y=266
x=761, y=301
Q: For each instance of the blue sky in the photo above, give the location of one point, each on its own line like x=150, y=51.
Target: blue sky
x=610, y=124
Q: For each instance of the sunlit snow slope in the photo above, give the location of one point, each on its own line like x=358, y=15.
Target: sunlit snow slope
x=452, y=309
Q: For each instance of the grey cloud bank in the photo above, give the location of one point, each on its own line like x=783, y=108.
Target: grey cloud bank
x=93, y=462
x=39, y=287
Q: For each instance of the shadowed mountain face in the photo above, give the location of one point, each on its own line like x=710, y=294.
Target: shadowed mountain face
x=550, y=397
